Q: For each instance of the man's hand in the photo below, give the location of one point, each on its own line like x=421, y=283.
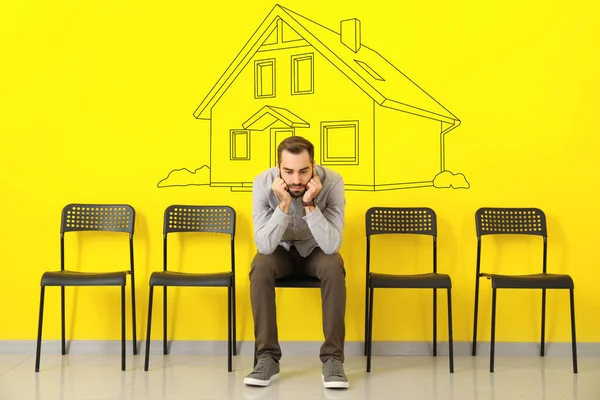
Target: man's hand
x=313, y=187
x=285, y=198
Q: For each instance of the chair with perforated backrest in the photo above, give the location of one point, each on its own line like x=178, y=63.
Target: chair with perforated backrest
x=294, y=281
x=196, y=219
x=118, y=218
x=404, y=221
x=518, y=221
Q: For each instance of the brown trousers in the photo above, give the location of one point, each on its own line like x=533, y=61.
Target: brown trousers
x=330, y=271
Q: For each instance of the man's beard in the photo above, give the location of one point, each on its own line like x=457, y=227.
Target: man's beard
x=297, y=194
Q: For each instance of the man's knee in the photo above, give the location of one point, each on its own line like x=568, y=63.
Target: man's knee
x=331, y=267
x=263, y=267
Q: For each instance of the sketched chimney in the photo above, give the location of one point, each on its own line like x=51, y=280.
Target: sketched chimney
x=350, y=34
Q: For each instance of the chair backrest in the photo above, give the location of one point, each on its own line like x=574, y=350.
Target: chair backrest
x=510, y=221
x=515, y=221
x=97, y=217
x=401, y=220
x=197, y=218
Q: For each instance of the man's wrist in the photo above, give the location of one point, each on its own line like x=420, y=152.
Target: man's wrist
x=284, y=206
x=310, y=203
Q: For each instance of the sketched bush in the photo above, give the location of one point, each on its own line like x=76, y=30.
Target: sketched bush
x=448, y=179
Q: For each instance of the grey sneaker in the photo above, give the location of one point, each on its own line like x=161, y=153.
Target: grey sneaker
x=333, y=374
x=265, y=372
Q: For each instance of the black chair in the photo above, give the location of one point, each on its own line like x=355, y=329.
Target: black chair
x=207, y=219
x=92, y=217
x=414, y=221
x=518, y=221
x=293, y=281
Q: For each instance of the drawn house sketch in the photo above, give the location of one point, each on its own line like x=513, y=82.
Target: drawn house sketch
x=368, y=120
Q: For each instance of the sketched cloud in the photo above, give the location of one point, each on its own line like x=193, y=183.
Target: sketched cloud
x=447, y=179
x=185, y=177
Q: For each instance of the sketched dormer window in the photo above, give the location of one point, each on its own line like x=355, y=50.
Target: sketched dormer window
x=369, y=70
x=264, y=78
x=303, y=74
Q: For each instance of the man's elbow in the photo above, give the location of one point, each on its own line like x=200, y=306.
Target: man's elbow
x=334, y=248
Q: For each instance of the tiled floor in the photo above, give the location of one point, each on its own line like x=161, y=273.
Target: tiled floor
x=206, y=377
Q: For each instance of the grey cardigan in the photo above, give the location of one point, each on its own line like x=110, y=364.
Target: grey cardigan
x=323, y=227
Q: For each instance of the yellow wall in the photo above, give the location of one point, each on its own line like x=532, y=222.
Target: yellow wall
x=96, y=106
x=407, y=147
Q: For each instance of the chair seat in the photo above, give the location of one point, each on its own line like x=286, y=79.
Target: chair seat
x=298, y=282
x=534, y=281
x=75, y=278
x=172, y=278
x=420, y=281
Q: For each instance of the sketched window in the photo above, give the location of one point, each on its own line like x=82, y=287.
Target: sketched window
x=240, y=145
x=303, y=74
x=264, y=78
x=339, y=143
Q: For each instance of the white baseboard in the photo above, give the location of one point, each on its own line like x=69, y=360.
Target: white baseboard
x=298, y=347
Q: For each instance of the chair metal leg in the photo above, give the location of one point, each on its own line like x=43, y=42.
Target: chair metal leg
x=165, y=320
x=63, y=346
x=370, y=331
x=39, y=338
x=474, y=348
x=229, y=329
x=123, y=329
x=366, y=315
x=150, y=299
x=493, y=339
x=450, y=339
x=234, y=328
x=573, y=337
x=435, y=322
x=133, y=317
x=542, y=340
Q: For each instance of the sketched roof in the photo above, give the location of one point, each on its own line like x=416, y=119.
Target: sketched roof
x=268, y=115
x=370, y=71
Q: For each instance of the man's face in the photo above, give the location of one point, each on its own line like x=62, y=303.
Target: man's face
x=295, y=170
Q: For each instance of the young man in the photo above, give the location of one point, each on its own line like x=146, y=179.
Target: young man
x=298, y=214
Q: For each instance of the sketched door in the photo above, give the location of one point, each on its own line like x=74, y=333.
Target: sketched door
x=277, y=135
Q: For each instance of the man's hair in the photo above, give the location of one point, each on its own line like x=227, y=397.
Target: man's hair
x=296, y=145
